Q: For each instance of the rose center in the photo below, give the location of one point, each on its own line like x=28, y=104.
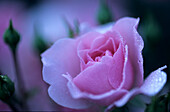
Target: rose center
x=106, y=53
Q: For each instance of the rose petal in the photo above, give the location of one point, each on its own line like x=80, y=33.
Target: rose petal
x=98, y=42
x=63, y=60
x=127, y=72
x=123, y=100
x=61, y=95
x=154, y=82
x=126, y=98
x=93, y=79
x=152, y=85
x=108, y=45
x=86, y=40
x=116, y=37
x=88, y=84
x=103, y=99
x=84, y=58
x=112, y=35
x=95, y=52
x=115, y=75
x=127, y=28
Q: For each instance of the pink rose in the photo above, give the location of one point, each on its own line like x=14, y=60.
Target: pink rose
x=99, y=68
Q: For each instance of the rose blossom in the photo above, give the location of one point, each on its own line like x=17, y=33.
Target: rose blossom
x=104, y=68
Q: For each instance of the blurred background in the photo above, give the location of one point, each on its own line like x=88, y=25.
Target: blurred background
x=42, y=22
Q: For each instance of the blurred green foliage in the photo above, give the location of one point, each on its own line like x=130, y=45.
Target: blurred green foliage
x=39, y=43
x=104, y=14
x=159, y=104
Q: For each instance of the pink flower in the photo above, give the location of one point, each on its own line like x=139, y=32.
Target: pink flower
x=99, y=68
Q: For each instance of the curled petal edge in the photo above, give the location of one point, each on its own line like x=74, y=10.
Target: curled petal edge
x=77, y=93
x=150, y=87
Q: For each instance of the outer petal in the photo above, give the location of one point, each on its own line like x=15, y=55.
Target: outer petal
x=127, y=29
x=128, y=74
x=60, y=58
x=152, y=85
x=154, y=82
x=103, y=99
x=61, y=95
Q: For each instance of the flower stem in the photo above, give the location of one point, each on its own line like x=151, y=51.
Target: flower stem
x=20, y=82
x=12, y=105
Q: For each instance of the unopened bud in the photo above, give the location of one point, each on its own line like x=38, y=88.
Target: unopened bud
x=6, y=88
x=11, y=37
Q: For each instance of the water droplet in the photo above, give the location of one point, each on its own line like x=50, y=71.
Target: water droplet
x=160, y=79
x=156, y=80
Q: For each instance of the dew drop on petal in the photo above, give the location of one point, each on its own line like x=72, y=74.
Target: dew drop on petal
x=160, y=79
x=154, y=82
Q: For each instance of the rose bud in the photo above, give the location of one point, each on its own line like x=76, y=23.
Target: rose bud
x=6, y=88
x=11, y=37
